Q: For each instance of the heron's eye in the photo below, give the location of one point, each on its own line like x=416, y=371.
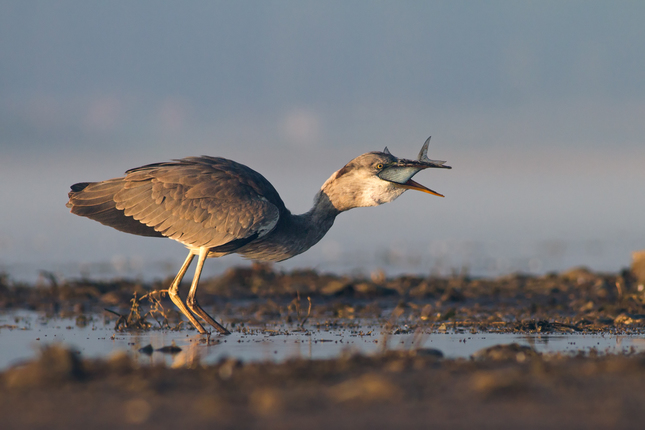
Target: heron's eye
x=379, y=166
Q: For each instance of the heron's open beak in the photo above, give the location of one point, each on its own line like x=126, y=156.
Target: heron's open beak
x=401, y=176
x=401, y=172
x=413, y=185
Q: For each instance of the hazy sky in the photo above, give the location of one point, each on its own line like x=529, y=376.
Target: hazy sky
x=539, y=107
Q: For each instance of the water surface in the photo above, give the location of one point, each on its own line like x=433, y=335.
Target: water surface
x=22, y=333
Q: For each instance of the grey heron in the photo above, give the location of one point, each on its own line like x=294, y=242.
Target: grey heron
x=215, y=206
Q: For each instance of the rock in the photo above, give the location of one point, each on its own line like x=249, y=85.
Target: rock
x=148, y=349
x=428, y=352
x=512, y=352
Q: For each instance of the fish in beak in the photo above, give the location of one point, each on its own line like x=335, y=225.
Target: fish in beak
x=401, y=171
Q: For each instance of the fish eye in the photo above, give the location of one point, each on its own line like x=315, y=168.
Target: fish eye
x=379, y=166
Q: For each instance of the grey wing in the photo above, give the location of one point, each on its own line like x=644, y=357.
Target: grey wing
x=95, y=200
x=212, y=204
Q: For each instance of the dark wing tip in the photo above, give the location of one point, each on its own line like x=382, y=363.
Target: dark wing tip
x=75, y=189
x=80, y=186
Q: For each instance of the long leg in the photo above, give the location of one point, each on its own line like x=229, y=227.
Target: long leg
x=173, y=292
x=191, y=300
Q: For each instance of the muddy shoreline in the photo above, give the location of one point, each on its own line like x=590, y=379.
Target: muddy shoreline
x=578, y=300
x=501, y=387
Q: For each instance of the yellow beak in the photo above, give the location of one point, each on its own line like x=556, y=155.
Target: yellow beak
x=412, y=185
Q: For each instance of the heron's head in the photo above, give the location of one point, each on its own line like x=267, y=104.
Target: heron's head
x=377, y=177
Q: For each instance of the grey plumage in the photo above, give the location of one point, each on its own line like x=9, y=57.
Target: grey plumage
x=216, y=206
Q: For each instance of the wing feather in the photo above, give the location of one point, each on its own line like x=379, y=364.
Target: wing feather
x=156, y=216
x=198, y=201
x=138, y=208
x=201, y=201
x=95, y=200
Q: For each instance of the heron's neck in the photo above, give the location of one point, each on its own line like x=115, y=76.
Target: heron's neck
x=301, y=232
x=307, y=229
x=321, y=216
x=295, y=234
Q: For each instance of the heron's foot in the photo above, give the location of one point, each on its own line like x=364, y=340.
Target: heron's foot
x=221, y=329
x=172, y=292
x=194, y=306
x=200, y=328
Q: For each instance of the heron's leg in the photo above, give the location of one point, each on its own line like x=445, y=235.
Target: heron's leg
x=191, y=300
x=173, y=292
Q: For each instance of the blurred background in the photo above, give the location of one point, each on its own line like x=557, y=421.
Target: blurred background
x=539, y=106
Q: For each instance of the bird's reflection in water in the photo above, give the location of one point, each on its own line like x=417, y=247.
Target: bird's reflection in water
x=192, y=352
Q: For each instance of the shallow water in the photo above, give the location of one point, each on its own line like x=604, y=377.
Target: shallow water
x=22, y=333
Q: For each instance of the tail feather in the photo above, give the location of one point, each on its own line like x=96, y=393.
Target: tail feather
x=95, y=200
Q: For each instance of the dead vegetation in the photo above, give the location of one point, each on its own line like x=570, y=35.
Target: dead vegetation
x=136, y=321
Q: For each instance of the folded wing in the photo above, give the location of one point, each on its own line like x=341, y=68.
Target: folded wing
x=198, y=201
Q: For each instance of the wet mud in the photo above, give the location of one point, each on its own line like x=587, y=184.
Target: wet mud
x=574, y=301
x=504, y=386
